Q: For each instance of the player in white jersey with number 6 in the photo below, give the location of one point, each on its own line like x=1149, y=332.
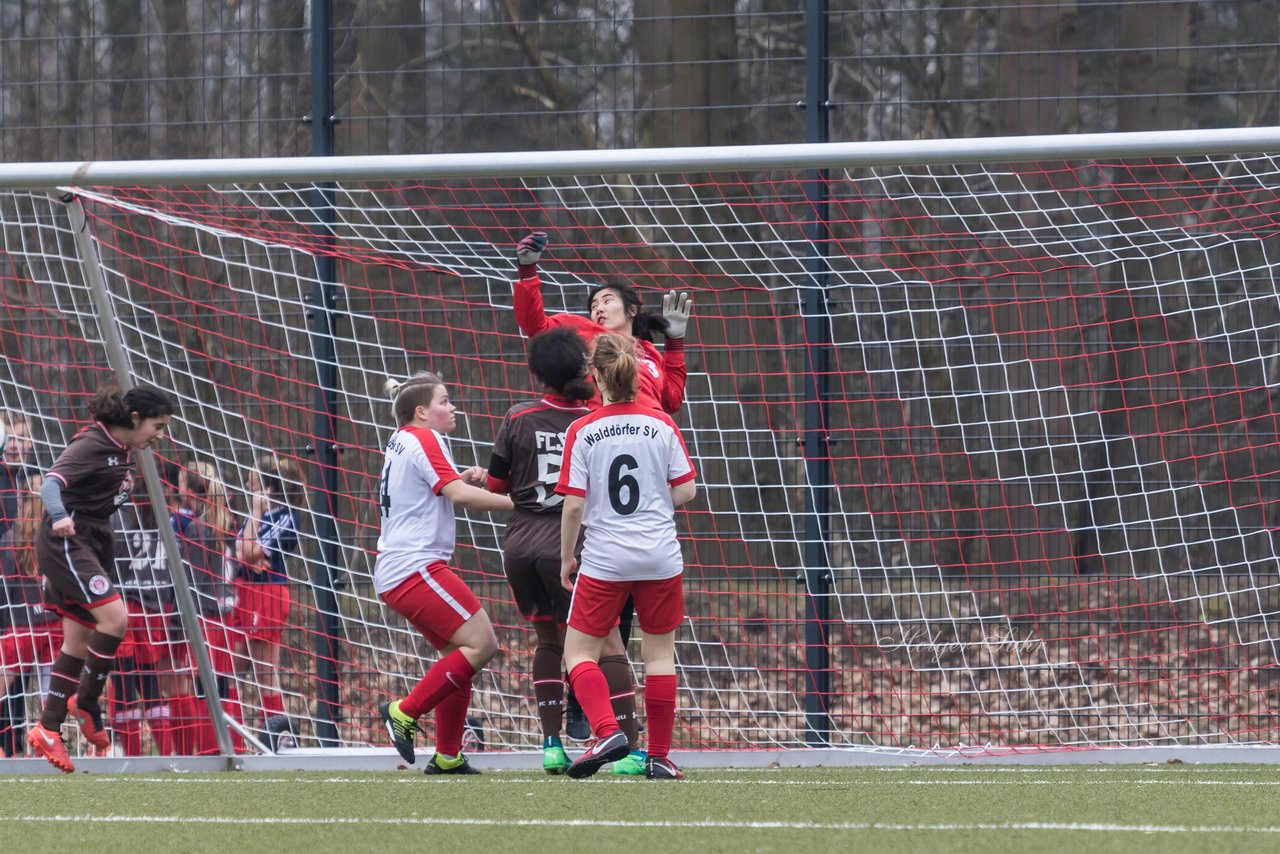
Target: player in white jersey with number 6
x=419, y=488
x=625, y=471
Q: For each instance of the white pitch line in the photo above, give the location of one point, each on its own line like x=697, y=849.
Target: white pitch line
x=691, y=781
x=1087, y=827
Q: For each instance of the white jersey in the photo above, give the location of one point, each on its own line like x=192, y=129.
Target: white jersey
x=624, y=458
x=418, y=523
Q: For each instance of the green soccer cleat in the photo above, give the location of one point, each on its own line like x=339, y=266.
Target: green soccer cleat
x=631, y=765
x=401, y=728
x=554, y=759
x=443, y=765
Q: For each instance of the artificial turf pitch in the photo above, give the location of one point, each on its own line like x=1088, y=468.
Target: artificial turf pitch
x=1165, y=809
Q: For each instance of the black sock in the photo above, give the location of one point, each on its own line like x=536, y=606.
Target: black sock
x=102, y=657
x=62, y=684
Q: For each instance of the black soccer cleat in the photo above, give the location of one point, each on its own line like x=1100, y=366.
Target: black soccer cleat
x=401, y=728
x=459, y=765
x=279, y=733
x=611, y=748
x=661, y=768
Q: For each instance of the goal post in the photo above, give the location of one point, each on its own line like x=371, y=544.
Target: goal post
x=1044, y=397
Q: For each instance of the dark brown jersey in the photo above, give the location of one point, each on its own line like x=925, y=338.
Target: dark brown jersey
x=528, y=450
x=526, y=463
x=96, y=473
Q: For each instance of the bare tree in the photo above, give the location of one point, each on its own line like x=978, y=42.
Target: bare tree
x=688, y=76
x=128, y=117
x=1037, y=62
x=181, y=89
x=1154, y=63
x=379, y=42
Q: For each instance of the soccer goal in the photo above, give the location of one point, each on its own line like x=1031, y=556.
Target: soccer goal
x=986, y=430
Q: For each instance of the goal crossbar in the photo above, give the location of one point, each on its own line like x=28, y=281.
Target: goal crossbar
x=394, y=167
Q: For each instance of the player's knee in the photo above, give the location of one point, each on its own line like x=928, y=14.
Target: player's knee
x=481, y=649
x=113, y=623
x=550, y=638
x=489, y=647
x=573, y=659
x=556, y=648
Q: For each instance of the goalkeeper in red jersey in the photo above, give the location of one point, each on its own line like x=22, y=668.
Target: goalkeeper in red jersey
x=613, y=307
x=525, y=464
x=75, y=547
x=626, y=470
x=416, y=496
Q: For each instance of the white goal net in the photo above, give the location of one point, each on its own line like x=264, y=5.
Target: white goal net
x=1009, y=483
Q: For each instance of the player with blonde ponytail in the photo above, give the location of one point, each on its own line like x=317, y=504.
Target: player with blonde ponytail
x=625, y=471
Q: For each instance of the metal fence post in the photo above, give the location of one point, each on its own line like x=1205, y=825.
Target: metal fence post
x=817, y=337
x=323, y=304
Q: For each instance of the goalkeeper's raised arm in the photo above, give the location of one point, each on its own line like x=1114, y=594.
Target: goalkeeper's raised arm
x=613, y=307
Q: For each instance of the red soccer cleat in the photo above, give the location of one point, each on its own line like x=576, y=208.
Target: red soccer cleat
x=50, y=746
x=91, y=727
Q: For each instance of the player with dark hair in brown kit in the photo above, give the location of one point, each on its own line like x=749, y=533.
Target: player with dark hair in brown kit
x=89, y=481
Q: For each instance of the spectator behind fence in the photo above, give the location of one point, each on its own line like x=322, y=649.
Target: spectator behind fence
x=269, y=534
x=206, y=522
x=31, y=633
x=14, y=485
x=145, y=684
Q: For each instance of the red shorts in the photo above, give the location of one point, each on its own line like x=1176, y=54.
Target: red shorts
x=22, y=648
x=436, y=605
x=151, y=638
x=263, y=612
x=220, y=640
x=596, y=604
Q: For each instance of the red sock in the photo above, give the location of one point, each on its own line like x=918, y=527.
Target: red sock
x=160, y=722
x=205, y=736
x=445, y=676
x=185, y=719
x=231, y=705
x=204, y=741
x=592, y=691
x=128, y=725
x=660, y=709
x=451, y=720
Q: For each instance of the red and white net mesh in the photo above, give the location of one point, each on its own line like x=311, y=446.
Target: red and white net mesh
x=1050, y=421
